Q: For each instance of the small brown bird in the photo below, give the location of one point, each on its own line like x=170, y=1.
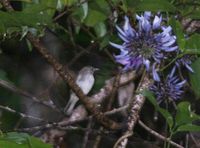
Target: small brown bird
x=85, y=80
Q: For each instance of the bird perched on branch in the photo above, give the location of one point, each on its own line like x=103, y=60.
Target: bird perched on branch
x=85, y=80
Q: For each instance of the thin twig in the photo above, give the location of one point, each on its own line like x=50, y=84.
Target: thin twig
x=6, y=108
x=67, y=123
x=87, y=132
x=194, y=140
x=26, y=94
x=98, y=139
x=158, y=135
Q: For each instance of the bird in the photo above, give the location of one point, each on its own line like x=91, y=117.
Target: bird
x=85, y=80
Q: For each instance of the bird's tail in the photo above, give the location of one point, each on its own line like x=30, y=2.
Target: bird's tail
x=70, y=105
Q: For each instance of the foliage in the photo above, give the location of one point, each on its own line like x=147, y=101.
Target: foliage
x=14, y=140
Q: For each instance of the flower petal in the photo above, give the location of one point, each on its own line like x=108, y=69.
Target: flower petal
x=156, y=22
x=155, y=74
x=116, y=45
x=147, y=14
x=169, y=49
x=147, y=64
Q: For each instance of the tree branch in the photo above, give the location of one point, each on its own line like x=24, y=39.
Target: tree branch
x=135, y=107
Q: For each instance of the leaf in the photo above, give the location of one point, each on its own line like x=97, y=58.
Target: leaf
x=100, y=29
x=104, y=6
x=195, y=14
x=94, y=17
x=10, y=144
x=155, y=5
x=18, y=138
x=69, y=2
x=195, y=77
x=178, y=30
x=132, y=4
x=7, y=20
x=168, y=117
x=61, y=4
x=22, y=140
x=188, y=128
x=104, y=41
x=84, y=6
x=24, y=32
x=32, y=16
x=184, y=114
x=37, y=143
x=28, y=1
x=193, y=43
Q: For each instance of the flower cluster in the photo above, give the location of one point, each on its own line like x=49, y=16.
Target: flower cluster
x=150, y=45
x=171, y=88
x=185, y=61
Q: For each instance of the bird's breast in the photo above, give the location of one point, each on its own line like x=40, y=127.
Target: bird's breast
x=86, y=84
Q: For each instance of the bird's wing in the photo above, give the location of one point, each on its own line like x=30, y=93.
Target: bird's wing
x=85, y=83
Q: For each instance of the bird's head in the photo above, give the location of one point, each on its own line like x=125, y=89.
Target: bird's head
x=88, y=69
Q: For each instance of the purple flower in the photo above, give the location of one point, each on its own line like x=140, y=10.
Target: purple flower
x=171, y=88
x=147, y=46
x=185, y=61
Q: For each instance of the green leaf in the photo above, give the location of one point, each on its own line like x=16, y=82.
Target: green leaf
x=34, y=16
x=84, y=6
x=104, y=41
x=155, y=5
x=168, y=117
x=104, y=6
x=184, y=114
x=61, y=4
x=188, y=128
x=69, y=2
x=10, y=144
x=8, y=20
x=195, y=14
x=28, y=1
x=45, y=6
x=24, y=32
x=193, y=43
x=37, y=143
x=18, y=138
x=100, y=29
x=2, y=28
x=132, y=4
x=37, y=8
x=195, y=77
x=178, y=30
x=94, y=17
x=124, y=6
x=22, y=140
